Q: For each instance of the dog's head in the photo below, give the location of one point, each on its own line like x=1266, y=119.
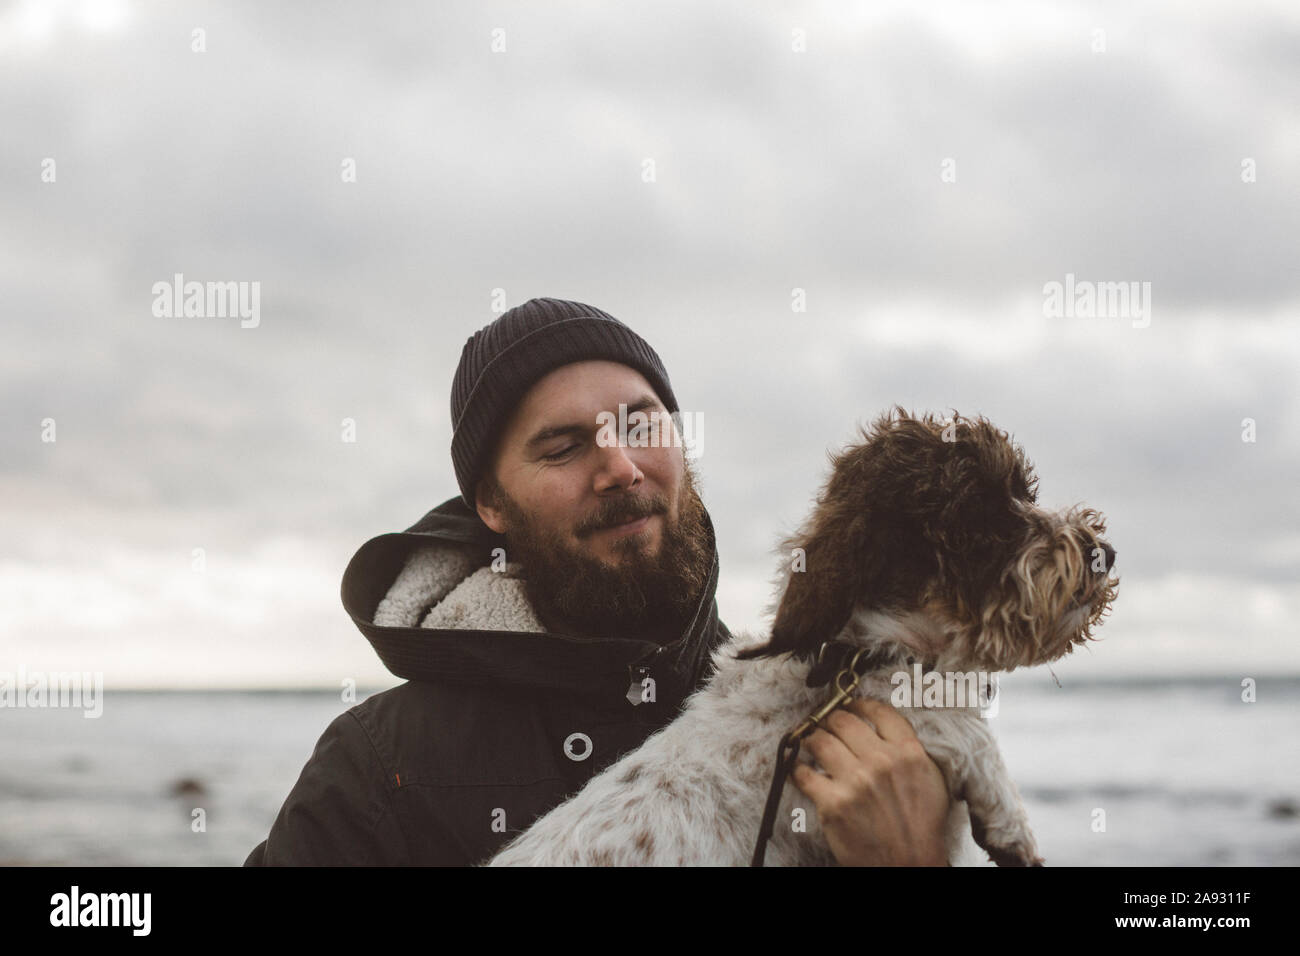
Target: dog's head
x=927, y=532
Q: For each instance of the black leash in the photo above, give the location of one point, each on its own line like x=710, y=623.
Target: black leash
x=847, y=668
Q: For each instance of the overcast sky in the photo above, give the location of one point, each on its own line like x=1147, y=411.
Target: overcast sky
x=921, y=172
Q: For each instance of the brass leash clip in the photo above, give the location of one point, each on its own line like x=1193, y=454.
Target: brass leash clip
x=846, y=682
x=843, y=691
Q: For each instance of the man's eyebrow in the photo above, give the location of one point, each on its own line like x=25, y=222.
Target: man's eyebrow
x=555, y=431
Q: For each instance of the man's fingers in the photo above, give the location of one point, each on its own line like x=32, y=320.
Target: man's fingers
x=858, y=735
x=831, y=753
x=889, y=723
x=811, y=784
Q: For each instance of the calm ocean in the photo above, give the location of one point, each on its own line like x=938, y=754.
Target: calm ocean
x=1183, y=772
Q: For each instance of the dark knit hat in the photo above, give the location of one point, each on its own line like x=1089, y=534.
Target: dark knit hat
x=501, y=362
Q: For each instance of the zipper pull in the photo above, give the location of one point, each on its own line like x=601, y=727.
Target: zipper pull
x=637, y=689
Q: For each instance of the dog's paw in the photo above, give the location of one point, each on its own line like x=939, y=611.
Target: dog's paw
x=1013, y=852
x=1015, y=855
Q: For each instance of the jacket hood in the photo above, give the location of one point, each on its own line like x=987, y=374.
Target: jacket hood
x=433, y=608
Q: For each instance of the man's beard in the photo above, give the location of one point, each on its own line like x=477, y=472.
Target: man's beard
x=650, y=597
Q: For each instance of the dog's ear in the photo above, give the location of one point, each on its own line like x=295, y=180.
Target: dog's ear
x=820, y=592
x=839, y=561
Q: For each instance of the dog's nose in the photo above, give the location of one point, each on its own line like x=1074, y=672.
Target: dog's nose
x=1108, y=555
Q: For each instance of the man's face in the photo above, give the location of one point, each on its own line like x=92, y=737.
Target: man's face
x=612, y=539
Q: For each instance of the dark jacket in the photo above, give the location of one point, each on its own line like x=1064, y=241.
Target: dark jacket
x=447, y=767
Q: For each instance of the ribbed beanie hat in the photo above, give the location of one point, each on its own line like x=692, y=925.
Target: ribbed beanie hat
x=502, y=360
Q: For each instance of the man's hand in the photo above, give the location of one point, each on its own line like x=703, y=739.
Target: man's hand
x=882, y=801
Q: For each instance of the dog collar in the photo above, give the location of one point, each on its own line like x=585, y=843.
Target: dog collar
x=832, y=656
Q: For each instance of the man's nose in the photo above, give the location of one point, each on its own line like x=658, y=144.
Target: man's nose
x=619, y=466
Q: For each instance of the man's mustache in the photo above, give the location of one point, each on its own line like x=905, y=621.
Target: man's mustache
x=629, y=509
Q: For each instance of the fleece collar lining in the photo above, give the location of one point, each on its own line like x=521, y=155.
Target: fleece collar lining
x=439, y=587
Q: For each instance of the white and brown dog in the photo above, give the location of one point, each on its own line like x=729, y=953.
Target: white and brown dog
x=925, y=546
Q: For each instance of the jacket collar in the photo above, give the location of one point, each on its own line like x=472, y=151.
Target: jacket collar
x=603, y=668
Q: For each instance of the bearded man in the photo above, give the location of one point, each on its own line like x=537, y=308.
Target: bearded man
x=546, y=621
